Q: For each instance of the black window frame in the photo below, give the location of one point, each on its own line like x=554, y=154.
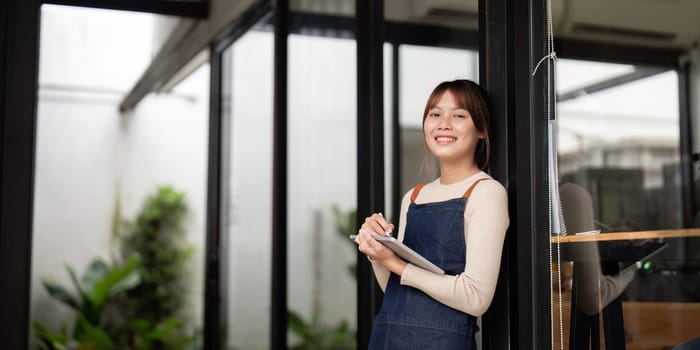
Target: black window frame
x=510, y=42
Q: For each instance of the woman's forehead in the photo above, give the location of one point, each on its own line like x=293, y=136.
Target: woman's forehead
x=453, y=103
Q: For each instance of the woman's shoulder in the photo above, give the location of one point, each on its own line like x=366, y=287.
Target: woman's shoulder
x=490, y=185
x=490, y=190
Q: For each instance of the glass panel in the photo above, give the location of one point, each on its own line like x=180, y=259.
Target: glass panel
x=95, y=169
x=248, y=87
x=322, y=187
x=625, y=153
x=629, y=268
x=418, y=76
x=391, y=204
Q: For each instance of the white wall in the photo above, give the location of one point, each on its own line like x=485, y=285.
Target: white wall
x=87, y=153
x=75, y=181
x=322, y=172
x=249, y=215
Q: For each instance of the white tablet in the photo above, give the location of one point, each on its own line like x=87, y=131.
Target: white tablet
x=408, y=254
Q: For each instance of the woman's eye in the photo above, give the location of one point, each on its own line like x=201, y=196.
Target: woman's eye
x=459, y=116
x=434, y=115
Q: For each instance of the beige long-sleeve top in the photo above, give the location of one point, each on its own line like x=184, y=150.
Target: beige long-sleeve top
x=485, y=224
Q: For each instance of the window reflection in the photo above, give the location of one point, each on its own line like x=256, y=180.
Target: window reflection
x=621, y=143
x=628, y=270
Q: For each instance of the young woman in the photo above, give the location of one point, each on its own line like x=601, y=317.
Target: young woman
x=458, y=222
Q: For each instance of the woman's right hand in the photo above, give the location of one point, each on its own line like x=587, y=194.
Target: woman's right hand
x=376, y=225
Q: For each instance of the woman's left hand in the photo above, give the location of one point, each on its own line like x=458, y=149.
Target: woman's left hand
x=371, y=247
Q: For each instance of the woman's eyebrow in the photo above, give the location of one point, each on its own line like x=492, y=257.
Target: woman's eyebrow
x=452, y=109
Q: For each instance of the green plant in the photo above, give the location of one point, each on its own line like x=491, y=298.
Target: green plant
x=157, y=235
x=346, y=225
x=316, y=336
x=133, y=305
x=98, y=285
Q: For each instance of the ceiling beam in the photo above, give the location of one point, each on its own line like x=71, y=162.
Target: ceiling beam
x=183, y=8
x=616, y=53
x=188, y=40
x=638, y=74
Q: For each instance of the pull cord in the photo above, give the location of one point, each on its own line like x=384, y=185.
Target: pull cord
x=556, y=220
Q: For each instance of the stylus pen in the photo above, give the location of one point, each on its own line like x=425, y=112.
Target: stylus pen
x=388, y=234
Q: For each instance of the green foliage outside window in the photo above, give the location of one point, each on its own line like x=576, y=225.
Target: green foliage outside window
x=313, y=334
x=136, y=302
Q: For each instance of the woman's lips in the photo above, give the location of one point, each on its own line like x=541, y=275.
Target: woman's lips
x=445, y=140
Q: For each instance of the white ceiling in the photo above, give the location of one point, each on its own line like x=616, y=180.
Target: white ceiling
x=652, y=23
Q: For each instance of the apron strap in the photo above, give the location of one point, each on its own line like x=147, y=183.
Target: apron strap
x=471, y=188
x=415, y=192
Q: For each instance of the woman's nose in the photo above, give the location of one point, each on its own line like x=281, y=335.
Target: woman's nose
x=444, y=124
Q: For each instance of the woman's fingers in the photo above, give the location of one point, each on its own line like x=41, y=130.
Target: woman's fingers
x=378, y=225
x=387, y=228
x=364, y=242
x=371, y=247
x=374, y=225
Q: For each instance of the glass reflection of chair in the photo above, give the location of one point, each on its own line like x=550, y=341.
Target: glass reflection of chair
x=595, y=286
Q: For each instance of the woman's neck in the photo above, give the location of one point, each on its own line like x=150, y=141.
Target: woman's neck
x=452, y=173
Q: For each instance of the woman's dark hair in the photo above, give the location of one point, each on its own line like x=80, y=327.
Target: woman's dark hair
x=473, y=98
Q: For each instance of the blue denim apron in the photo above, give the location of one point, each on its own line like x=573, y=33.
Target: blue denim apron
x=409, y=318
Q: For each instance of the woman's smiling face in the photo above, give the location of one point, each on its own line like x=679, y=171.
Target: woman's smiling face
x=449, y=130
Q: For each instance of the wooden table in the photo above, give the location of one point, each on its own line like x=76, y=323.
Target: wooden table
x=621, y=236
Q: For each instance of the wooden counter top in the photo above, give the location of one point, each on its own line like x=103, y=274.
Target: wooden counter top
x=620, y=236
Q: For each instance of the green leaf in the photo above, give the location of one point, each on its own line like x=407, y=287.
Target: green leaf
x=345, y=222
x=103, y=287
x=296, y=324
x=87, y=333
x=86, y=304
x=315, y=336
x=162, y=328
x=132, y=280
x=97, y=270
x=157, y=333
x=60, y=293
x=50, y=341
x=78, y=286
x=139, y=325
